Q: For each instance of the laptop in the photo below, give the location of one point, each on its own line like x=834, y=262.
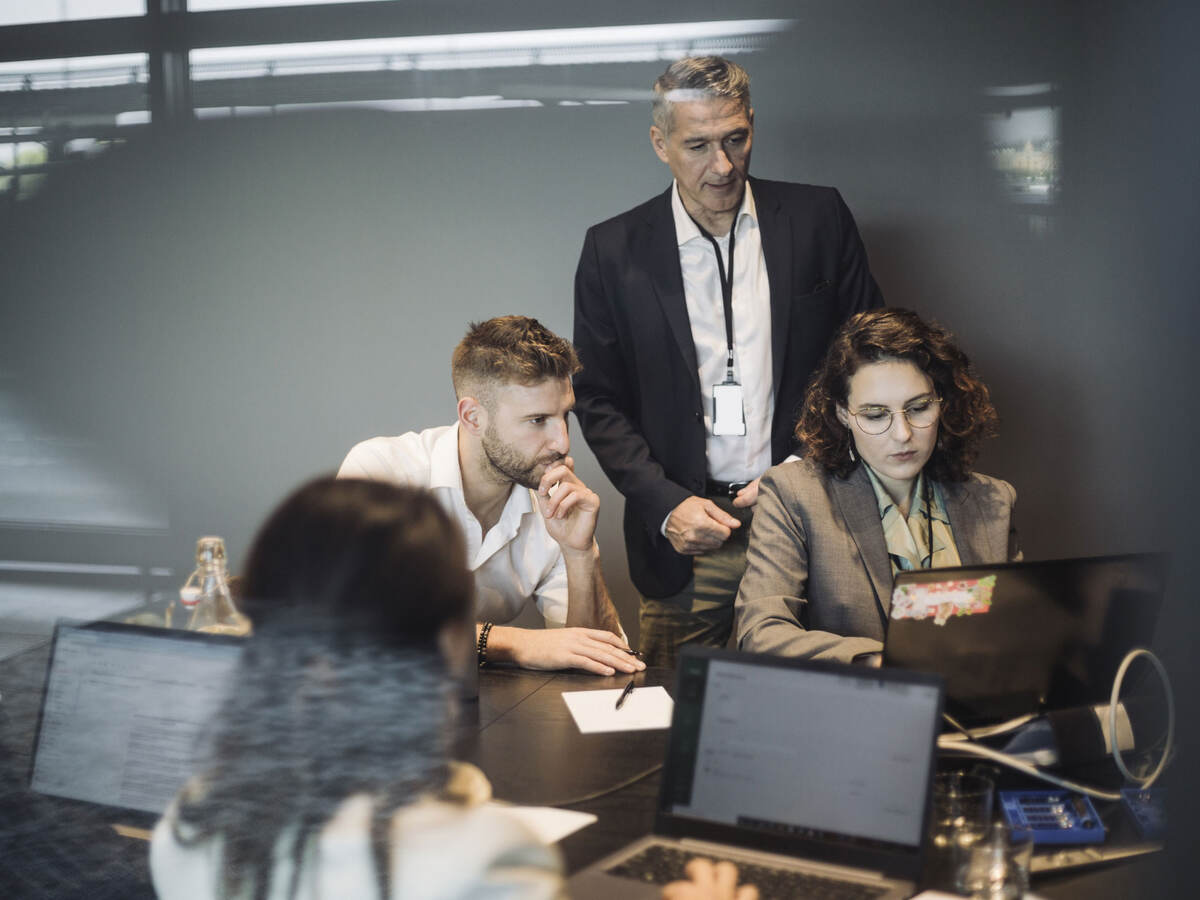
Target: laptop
x=125, y=712
x=1017, y=638
x=801, y=773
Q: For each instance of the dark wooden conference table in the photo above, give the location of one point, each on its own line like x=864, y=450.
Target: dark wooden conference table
x=519, y=732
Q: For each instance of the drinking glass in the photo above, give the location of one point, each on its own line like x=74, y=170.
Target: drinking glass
x=962, y=815
x=998, y=867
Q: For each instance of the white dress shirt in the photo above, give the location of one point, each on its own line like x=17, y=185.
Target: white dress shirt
x=730, y=457
x=516, y=561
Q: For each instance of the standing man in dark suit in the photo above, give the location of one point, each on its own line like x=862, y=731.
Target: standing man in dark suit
x=699, y=316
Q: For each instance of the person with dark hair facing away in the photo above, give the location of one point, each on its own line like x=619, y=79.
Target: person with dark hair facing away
x=891, y=424
x=502, y=471
x=327, y=775
x=699, y=316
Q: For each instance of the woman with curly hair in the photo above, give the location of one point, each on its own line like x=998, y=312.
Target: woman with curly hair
x=891, y=424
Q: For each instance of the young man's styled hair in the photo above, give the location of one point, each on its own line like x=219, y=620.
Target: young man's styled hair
x=698, y=78
x=509, y=350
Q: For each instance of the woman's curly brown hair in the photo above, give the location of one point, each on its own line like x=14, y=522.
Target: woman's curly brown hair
x=967, y=414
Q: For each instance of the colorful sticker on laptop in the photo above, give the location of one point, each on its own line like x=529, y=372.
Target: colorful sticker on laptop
x=940, y=600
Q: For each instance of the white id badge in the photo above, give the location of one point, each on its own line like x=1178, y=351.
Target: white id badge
x=728, y=417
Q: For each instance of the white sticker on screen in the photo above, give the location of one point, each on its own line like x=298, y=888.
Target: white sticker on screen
x=942, y=600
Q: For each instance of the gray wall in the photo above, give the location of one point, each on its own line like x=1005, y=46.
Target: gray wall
x=223, y=315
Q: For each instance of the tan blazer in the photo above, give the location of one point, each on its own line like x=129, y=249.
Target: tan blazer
x=818, y=581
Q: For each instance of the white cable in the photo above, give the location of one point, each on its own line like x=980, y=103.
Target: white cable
x=1000, y=728
x=957, y=743
x=1013, y=763
x=986, y=731
x=1112, y=717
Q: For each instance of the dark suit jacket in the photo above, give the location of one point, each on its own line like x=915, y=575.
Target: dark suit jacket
x=638, y=396
x=818, y=580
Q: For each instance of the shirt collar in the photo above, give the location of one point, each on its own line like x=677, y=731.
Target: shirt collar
x=884, y=500
x=916, y=510
x=445, y=471
x=685, y=227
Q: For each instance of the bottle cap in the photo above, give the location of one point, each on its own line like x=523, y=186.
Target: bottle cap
x=210, y=549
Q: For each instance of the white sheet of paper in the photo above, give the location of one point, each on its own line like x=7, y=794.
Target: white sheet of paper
x=646, y=708
x=549, y=824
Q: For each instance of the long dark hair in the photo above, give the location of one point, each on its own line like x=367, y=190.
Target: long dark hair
x=342, y=689
x=967, y=415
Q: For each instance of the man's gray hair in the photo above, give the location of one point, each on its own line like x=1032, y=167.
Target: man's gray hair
x=698, y=78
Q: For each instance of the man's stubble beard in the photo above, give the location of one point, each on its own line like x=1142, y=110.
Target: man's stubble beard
x=508, y=465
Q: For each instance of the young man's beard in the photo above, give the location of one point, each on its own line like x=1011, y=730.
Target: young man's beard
x=507, y=462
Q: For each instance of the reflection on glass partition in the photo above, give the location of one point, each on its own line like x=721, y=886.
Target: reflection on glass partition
x=458, y=71
x=51, y=479
x=80, y=72
x=500, y=49
x=1022, y=135
x=54, y=110
x=22, y=166
x=28, y=610
x=27, y=12
x=204, y=5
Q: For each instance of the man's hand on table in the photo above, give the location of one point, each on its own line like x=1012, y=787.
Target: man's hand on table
x=708, y=881
x=697, y=525
x=591, y=649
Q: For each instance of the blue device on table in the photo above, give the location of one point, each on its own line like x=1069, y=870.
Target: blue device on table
x=1149, y=813
x=1054, y=817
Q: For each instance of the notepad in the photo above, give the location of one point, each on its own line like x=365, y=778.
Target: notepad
x=549, y=824
x=644, y=709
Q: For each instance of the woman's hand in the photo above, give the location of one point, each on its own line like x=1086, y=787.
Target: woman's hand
x=709, y=881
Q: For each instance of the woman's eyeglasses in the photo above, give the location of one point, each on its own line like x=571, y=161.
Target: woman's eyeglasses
x=878, y=419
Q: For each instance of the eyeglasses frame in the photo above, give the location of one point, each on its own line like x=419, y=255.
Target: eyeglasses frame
x=937, y=401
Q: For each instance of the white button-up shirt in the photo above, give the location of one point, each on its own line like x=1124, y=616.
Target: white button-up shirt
x=516, y=561
x=730, y=457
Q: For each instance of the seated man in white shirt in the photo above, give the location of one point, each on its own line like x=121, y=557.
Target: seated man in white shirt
x=503, y=472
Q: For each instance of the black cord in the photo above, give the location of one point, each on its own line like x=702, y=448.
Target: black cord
x=595, y=795
x=928, y=492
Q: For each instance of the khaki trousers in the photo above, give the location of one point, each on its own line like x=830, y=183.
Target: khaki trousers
x=702, y=612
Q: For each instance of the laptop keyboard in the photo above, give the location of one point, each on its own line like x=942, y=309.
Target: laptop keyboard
x=658, y=864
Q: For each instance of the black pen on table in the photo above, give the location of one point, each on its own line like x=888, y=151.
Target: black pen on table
x=625, y=694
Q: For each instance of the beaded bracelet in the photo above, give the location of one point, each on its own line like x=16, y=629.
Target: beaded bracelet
x=481, y=645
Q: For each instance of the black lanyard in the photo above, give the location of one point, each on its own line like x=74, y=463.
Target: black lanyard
x=928, y=494
x=726, y=289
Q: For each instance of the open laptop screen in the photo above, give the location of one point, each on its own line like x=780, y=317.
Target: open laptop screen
x=124, y=712
x=816, y=753
x=1016, y=638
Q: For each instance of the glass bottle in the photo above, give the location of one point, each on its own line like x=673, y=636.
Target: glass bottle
x=205, y=599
